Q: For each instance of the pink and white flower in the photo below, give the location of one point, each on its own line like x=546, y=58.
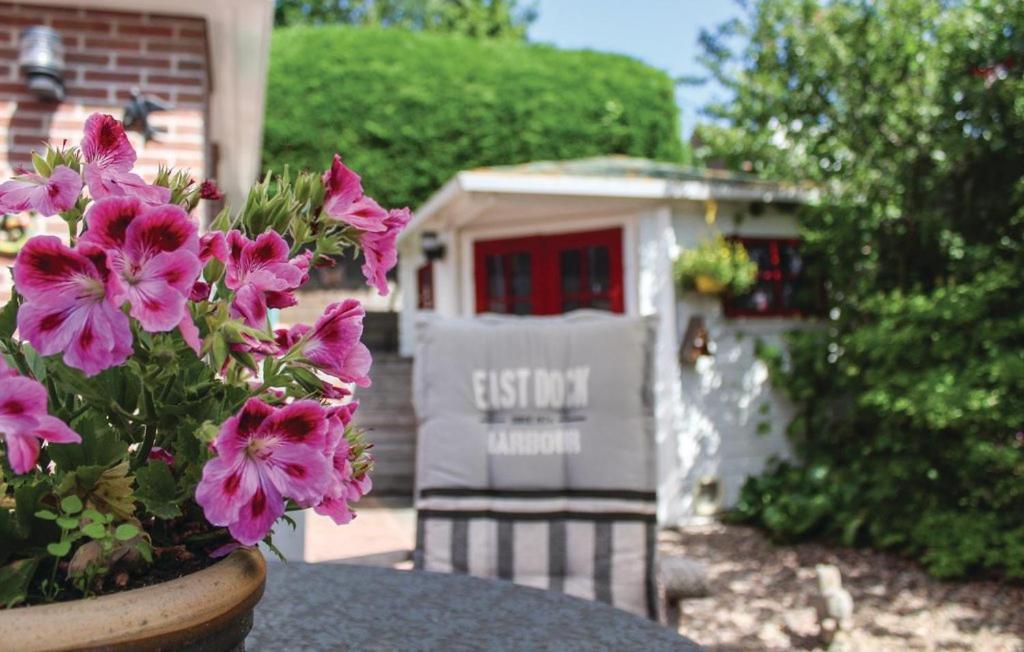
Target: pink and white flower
x=380, y=254
x=46, y=196
x=346, y=486
x=153, y=251
x=346, y=202
x=109, y=158
x=333, y=345
x=68, y=307
x=24, y=422
x=264, y=455
x=261, y=275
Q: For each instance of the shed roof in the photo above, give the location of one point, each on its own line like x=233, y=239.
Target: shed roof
x=610, y=177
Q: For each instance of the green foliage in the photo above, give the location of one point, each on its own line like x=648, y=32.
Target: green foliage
x=476, y=18
x=726, y=263
x=908, y=115
x=409, y=110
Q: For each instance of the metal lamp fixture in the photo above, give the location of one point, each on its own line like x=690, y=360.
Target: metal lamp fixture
x=41, y=60
x=432, y=246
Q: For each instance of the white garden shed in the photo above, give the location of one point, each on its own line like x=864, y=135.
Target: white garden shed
x=549, y=237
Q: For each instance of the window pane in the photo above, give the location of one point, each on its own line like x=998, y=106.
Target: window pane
x=789, y=259
x=571, y=265
x=600, y=270
x=521, y=276
x=760, y=253
x=495, y=278
x=760, y=299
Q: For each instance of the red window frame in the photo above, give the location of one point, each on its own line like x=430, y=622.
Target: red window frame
x=545, y=275
x=425, y=286
x=773, y=274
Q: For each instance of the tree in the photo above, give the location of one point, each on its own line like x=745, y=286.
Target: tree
x=907, y=116
x=475, y=18
x=409, y=110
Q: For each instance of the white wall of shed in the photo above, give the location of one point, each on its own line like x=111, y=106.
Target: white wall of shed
x=732, y=422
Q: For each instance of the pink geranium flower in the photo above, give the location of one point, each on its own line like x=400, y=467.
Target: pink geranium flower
x=46, y=196
x=154, y=252
x=264, y=455
x=24, y=422
x=345, y=486
x=346, y=202
x=68, y=308
x=213, y=245
x=262, y=276
x=109, y=158
x=333, y=345
x=379, y=252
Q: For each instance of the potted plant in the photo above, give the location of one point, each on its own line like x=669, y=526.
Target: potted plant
x=715, y=266
x=151, y=421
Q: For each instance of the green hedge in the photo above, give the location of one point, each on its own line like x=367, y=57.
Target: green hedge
x=409, y=110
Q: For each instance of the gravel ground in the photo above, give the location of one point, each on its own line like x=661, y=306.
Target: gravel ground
x=762, y=598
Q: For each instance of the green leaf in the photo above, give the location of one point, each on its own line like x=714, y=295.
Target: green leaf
x=158, y=490
x=59, y=549
x=71, y=504
x=46, y=515
x=126, y=531
x=145, y=550
x=14, y=580
x=67, y=523
x=9, y=318
x=95, y=530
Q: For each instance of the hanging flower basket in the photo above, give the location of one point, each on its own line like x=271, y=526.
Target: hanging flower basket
x=716, y=266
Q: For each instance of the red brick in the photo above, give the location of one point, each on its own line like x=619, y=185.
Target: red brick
x=196, y=47
x=7, y=18
x=94, y=26
x=26, y=121
x=144, y=30
x=112, y=76
x=192, y=33
x=113, y=44
x=185, y=64
x=32, y=141
x=79, y=92
x=126, y=94
x=191, y=97
x=174, y=80
x=143, y=62
x=6, y=37
x=78, y=58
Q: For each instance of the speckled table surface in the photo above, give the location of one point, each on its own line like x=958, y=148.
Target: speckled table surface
x=314, y=607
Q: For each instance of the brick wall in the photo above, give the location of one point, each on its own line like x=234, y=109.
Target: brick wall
x=107, y=54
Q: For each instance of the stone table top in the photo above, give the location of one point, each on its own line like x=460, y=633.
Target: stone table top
x=315, y=607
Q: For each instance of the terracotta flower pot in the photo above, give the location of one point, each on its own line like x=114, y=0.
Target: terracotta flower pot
x=207, y=611
x=708, y=285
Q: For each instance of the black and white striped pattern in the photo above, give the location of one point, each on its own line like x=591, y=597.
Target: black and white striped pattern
x=597, y=545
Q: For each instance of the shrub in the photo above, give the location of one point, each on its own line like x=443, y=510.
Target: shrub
x=910, y=396
x=412, y=109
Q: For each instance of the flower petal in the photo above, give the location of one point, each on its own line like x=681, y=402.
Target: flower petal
x=301, y=422
x=257, y=516
x=22, y=451
x=106, y=143
x=237, y=431
x=45, y=265
x=59, y=193
x=298, y=472
x=54, y=430
x=108, y=221
x=22, y=402
x=224, y=488
x=162, y=229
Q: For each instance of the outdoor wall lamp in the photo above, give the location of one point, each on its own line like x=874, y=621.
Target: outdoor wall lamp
x=696, y=342
x=431, y=246
x=41, y=60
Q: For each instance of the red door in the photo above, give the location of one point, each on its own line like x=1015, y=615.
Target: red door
x=549, y=275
